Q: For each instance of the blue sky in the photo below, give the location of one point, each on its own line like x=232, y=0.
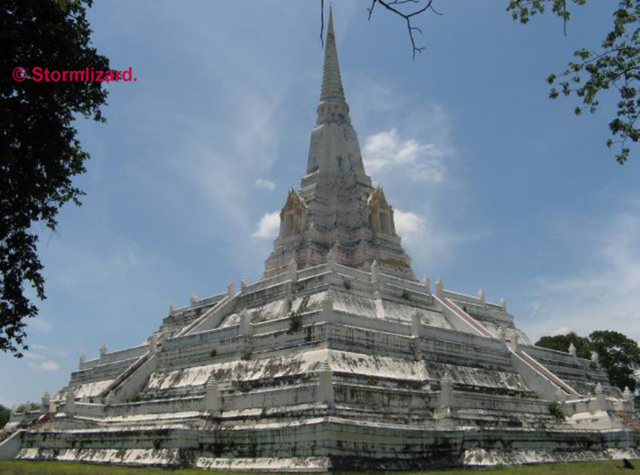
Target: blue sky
x=495, y=186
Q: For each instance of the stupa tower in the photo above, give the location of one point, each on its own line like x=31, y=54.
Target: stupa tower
x=331, y=363
x=337, y=209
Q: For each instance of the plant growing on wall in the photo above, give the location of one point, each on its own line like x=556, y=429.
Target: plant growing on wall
x=295, y=322
x=555, y=409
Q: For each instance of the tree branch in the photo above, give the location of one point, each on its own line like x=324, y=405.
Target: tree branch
x=394, y=6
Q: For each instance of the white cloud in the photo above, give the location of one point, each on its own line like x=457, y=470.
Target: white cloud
x=430, y=246
x=605, y=294
x=268, y=226
x=48, y=365
x=422, y=162
x=40, y=362
x=264, y=184
x=409, y=225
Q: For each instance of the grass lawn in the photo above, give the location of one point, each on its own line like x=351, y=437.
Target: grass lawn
x=63, y=468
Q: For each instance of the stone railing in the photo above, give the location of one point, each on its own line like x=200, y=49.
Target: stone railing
x=485, y=401
x=285, y=396
x=221, y=308
x=397, y=282
x=85, y=409
x=556, y=356
x=268, y=282
x=115, y=356
x=595, y=404
x=371, y=323
x=208, y=336
x=157, y=406
x=204, y=302
x=313, y=271
x=400, y=399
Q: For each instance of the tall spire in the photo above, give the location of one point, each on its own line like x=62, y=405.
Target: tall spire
x=331, y=82
x=336, y=208
x=333, y=106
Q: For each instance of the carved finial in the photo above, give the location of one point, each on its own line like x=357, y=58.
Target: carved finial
x=70, y=403
x=46, y=401
x=426, y=283
x=439, y=288
x=627, y=394
x=572, y=349
x=375, y=271
x=153, y=342
x=501, y=333
x=194, y=298
x=595, y=357
x=503, y=303
x=327, y=307
x=515, y=344
x=293, y=269
x=599, y=389
x=231, y=289
x=83, y=358
x=416, y=324
x=332, y=256
x=244, y=283
x=172, y=308
x=481, y=295
x=103, y=350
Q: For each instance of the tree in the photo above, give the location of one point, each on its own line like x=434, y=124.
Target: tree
x=619, y=356
x=5, y=413
x=615, y=66
x=562, y=343
x=39, y=151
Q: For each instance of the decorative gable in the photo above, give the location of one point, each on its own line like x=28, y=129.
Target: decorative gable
x=382, y=221
x=292, y=215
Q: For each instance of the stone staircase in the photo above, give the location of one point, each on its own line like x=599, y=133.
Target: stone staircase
x=547, y=374
x=453, y=311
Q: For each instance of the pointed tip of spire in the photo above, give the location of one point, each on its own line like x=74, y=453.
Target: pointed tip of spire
x=330, y=26
x=331, y=81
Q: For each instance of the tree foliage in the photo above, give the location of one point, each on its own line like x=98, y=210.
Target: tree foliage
x=614, y=66
x=562, y=343
x=5, y=413
x=618, y=354
x=39, y=151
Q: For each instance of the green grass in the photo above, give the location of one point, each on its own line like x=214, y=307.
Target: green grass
x=63, y=468
x=74, y=468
